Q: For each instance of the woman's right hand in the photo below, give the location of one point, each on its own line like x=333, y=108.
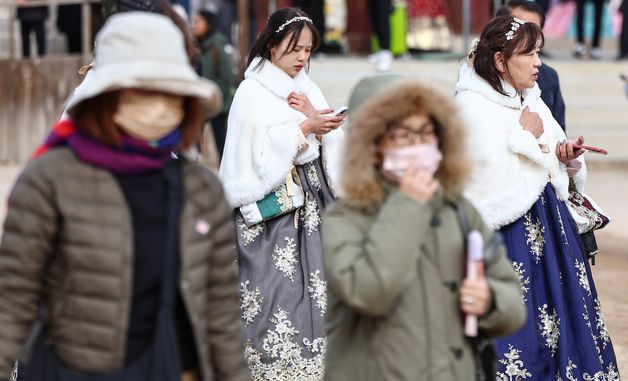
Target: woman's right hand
x=418, y=184
x=320, y=124
x=531, y=121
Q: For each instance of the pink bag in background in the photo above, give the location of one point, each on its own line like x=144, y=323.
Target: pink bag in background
x=559, y=19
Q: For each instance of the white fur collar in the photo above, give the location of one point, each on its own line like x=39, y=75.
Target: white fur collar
x=469, y=80
x=276, y=80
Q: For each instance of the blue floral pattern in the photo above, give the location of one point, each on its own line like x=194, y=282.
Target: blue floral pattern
x=565, y=336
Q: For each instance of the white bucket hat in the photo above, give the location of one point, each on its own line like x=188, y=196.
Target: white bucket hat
x=143, y=50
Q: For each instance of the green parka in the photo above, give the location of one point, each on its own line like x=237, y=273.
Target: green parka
x=217, y=66
x=394, y=265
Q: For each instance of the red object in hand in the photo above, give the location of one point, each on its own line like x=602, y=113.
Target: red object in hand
x=592, y=149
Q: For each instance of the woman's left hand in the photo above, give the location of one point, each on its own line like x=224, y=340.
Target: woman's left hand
x=565, y=151
x=301, y=103
x=475, y=295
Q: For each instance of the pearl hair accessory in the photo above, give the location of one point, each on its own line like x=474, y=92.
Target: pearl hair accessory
x=297, y=18
x=515, y=24
x=474, y=47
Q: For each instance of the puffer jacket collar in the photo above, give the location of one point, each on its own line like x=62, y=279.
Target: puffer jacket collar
x=276, y=80
x=469, y=80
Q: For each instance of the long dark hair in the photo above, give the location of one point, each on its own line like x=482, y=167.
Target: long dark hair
x=493, y=40
x=271, y=38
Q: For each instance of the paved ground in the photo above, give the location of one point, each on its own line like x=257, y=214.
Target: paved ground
x=610, y=188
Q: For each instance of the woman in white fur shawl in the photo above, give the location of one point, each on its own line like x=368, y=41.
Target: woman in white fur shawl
x=279, y=170
x=522, y=169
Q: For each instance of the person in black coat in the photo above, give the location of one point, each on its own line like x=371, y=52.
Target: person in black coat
x=548, y=77
x=550, y=93
x=32, y=20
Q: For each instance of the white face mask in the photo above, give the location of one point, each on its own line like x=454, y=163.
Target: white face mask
x=426, y=157
x=149, y=116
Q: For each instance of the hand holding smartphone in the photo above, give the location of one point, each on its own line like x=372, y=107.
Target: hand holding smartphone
x=340, y=111
x=591, y=149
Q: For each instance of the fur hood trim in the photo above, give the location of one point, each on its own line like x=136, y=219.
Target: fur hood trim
x=468, y=79
x=361, y=184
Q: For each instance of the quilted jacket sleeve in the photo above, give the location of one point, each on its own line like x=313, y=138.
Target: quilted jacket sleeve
x=29, y=232
x=224, y=329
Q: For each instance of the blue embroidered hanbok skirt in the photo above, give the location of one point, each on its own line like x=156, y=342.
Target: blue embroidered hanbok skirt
x=565, y=337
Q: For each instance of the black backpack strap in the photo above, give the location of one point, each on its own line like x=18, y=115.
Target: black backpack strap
x=490, y=247
x=463, y=221
x=485, y=355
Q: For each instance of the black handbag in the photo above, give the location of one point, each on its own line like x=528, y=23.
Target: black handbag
x=485, y=358
x=483, y=345
x=160, y=362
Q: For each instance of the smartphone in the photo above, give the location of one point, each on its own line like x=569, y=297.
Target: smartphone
x=592, y=149
x=340, y=111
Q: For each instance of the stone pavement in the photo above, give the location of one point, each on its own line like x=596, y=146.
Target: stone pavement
x=610, y=189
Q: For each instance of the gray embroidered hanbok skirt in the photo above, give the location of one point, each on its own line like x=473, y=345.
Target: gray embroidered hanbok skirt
x=283, y=288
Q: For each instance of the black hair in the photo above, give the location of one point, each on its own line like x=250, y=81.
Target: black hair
x=530, y=6
x=210, y=17
x=269, y=38
x=110, y=7
x=494, y=40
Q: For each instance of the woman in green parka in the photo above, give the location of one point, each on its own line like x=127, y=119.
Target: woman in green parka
x=394, y=245
x=216, y=65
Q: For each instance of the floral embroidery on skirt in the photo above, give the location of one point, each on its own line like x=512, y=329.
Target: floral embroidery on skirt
x=565, y=337
x=283, y=292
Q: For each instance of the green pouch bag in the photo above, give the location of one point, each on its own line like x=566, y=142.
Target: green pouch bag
x=287, y=197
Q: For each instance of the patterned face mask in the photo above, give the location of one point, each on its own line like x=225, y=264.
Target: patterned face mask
x=425, y=156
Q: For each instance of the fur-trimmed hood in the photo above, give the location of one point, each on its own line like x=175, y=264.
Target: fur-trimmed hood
x=361, y=184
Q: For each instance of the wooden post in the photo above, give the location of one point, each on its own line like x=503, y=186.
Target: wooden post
x=87, y=30
x=358, y=30
x=11, y=26
x=466, y=24
x=243, y=41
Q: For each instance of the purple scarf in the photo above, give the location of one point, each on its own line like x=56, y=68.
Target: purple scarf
x=134, y=156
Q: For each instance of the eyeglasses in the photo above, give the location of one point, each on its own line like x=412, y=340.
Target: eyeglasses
x=401, y=135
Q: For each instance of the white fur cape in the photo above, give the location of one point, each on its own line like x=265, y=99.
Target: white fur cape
x=510, y=170
x=263, y=135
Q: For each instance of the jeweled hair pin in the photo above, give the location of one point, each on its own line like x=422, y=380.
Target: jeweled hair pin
x=294, y=19
x=514, y=27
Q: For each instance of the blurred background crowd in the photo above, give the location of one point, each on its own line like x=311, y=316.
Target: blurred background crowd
x=59, y=26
